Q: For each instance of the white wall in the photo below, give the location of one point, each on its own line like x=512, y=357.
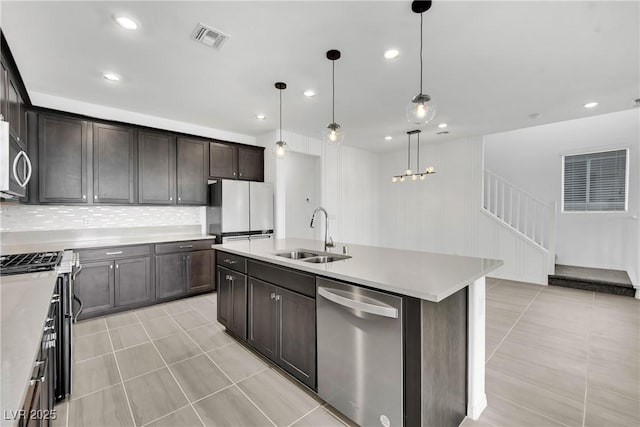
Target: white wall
x=302, y=182
x=531, y=158
x=348, y=187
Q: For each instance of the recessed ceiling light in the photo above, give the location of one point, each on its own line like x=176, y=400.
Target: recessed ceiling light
x=534, y=115
x=126, y=23
x=111, y=76
x=309, y=93
x=590, y=104
x=261, y=116
x=391, y=54
x=388, y=138
x=442, y=125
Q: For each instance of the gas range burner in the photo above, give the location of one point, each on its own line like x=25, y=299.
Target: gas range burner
x=29, y=263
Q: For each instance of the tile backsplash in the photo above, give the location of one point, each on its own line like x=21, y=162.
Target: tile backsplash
x=41, y=217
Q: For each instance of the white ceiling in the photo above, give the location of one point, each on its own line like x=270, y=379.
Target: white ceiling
x=488, y=65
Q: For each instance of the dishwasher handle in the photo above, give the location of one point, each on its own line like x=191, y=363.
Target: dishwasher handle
x=379, y=310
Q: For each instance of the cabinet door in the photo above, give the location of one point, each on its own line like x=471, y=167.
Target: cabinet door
x=297, y=336
x=94, y=286
x=238, y=321
x=156, y=168
x=200, y=271
x=4, y=79
x=62, y=160
x=132, y=281
x=170, y=275
x=251, y=163
x=14, y=108
x=192, y=172
x=223, y=160
x=223, y=284
x=114, y=150
x=261, y=332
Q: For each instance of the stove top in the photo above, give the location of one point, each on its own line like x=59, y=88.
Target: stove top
x=29, y=263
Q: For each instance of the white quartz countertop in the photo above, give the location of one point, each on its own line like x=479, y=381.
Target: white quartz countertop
x=24, y=303
x=27, y=247
x=425, y=275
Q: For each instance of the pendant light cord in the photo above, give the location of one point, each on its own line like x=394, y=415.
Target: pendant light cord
x=280, y=114
x=418, y=155
x=409, y=152
x=333, y=88
x=421, y=17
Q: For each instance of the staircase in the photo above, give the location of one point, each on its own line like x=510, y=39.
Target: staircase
x=530, y=218
x=593, y=279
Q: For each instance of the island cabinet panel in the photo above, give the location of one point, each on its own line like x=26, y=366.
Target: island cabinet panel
x=94, y=286
x=62, y=159
x=133, y=281
x=156, y=168
x=223, y=160
x=114, y=164
x=232, y=301
x=200, y=271
x=192, y=168
x=292, y=280
x=251, y=163
x=262, y=317
x=231, y=261
x=170, y=275
x=296, y=338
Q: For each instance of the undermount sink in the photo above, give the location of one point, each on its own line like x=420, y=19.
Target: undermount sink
x=307, y=255
x=326, y=258
x=297, y=254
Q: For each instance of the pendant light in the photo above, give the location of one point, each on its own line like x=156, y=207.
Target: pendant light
x=333, y=133
x=420, y=110
x=281, y=147
x=409, y=174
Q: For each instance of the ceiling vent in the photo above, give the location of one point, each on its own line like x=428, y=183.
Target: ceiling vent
x=209, y=36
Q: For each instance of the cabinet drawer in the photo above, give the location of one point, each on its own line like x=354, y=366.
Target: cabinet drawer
x=114, y=253
x=292, y=280
x=234, y=262
x=187, y=246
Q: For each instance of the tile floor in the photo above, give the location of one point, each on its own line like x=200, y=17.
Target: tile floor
x=173, y=365
x=555, y=357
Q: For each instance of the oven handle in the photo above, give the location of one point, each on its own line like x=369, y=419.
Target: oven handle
x=379, y=310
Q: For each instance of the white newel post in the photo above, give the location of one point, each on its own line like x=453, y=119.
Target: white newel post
x=477, y=399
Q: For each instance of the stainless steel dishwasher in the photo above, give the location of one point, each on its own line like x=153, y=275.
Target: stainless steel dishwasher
x=360, y=360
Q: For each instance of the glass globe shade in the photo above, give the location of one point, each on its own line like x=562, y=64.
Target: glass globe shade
x=280, y=149
x=333, y=134
x=421, y=110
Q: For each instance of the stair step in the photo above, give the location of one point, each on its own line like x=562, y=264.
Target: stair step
x=593, y=279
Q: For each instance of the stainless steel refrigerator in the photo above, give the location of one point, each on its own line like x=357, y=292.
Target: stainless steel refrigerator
x=240, y=210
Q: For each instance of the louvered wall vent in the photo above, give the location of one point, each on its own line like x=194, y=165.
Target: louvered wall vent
x=209, y=36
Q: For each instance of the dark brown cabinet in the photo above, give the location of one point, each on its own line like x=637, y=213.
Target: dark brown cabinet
x=170, y=280
x=15, y=109
x=4, y=79
x=200, y=271
x=112, y=278
x=282, y=326
x=114, y=153
x=94, y=286
x=192, y=155
x=251, y=163
x=232, y=301
x=156, y=168
x=183, y=273
x=132, y=281
x=223, y=160
x=62, y=159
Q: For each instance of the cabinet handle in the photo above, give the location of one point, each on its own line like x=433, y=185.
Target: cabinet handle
x=273, y=295
x=234, y=174
x=117, y=266
x=179, y=199
x=277, y=297
x=114, y=253
x=228, y=261
x=171, y=198
x=240, y=173
x=111, y=267
x=95, y=197
x=48, y=328
x=84, y=197
x=185, y=246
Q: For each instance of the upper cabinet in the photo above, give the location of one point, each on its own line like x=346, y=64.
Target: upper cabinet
x=223, y=160
x=114, y=154
x=231, y=161
x=251, y=163
x=12, y=106
x=62, y=159
x=192, y=171
x=156, y=168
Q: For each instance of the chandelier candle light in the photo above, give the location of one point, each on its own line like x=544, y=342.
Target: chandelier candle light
x=421, y=110
x=333, y=133
x=281, y=147
x=409, y=173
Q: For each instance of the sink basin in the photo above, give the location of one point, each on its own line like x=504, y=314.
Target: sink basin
x=297, y=254
x=326, y=258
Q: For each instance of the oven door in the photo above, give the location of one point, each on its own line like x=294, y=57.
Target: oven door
x=15, y=165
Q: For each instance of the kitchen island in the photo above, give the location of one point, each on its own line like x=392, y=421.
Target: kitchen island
x=442, y=312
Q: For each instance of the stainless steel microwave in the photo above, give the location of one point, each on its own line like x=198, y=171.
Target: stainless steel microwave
x=15, y=166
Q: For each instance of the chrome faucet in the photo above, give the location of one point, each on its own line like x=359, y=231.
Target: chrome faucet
x=329, y=243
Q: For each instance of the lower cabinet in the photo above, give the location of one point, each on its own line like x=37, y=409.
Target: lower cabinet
x=132, y=281
x=232, y=301
x=183, y=273
x=94, y=286
x=282, y=326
